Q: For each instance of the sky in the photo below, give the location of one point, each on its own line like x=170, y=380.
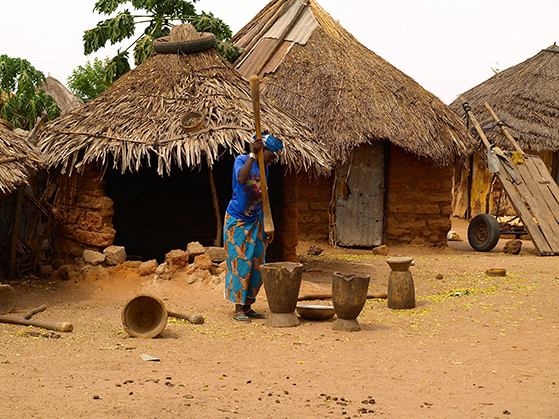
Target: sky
x=447, y=46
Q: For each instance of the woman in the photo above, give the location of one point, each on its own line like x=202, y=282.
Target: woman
x=245, y=239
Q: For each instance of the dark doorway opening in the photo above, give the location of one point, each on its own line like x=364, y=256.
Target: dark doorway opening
x=156, y=214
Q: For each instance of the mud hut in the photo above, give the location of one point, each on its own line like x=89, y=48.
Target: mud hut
x=148, y=164
x=525, y=99
x=18, y=159
x=64, y=98
x=394, y=142
x=22, y=217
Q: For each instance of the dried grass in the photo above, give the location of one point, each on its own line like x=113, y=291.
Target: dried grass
x=139, y=118
x=351, y=96
x=525, y=99
x=17, y=159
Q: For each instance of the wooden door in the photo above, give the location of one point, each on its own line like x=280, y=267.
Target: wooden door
x=360, y=198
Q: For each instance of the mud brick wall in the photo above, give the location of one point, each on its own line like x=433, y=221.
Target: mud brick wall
x=83, y=215
x=286, y=224
x=313, y=202
x=419, y=202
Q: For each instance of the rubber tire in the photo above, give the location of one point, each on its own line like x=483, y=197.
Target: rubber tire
x=206, y=41
x=484, y=232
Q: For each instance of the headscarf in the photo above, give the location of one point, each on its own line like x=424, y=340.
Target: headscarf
x=273, y=144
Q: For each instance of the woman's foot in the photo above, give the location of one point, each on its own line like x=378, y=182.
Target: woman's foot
x=241, y=317
x=240, y=314
x=253, y=314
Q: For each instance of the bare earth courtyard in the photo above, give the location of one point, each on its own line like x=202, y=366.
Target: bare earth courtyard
x=475, y=346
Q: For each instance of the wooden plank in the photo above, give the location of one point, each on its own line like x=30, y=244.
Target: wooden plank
x=532, y=194
x=542, y=169
x=532, y=228
x=543, y=185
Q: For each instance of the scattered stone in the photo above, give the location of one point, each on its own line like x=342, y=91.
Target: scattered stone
x=195, y=249
x=65, y=273
x=439, y=276
x=201, y=262
x=198, y=276
x=496, y=272
x=114, y=255
x=93, y=257
x=92, y=273
x=381, y=250
x=453, y=236
x=46, y=270
x=147, y=268
x=513, y=247
x=176, y=259
x=161, y=269
x=314, y=250
x=222, y=267
x=216, y=254
x=132, y=264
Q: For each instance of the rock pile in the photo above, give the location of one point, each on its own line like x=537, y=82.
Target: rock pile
x=195, y=264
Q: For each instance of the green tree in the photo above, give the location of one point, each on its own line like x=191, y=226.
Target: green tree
x=86, y=82
x=160, y=16
x=22, y=101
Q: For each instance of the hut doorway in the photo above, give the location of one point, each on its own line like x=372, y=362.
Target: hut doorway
x=155, y=214
x=360, y=198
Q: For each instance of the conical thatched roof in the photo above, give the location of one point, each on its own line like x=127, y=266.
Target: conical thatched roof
x=17, y=159
x=64, y=98
x=140, y=115
x=349, y=95
x=526, y=98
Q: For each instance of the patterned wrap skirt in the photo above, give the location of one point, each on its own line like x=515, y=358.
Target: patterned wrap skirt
x=245, y=251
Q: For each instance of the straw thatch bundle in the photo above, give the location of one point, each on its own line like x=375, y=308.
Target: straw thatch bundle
x=64, y=98
x=348, y=94
x=525, y=98
x=17, y=159
x=140, y=116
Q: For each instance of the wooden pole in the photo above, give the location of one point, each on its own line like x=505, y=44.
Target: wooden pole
x=475, y=124
x=255, y=94
x=219, y=235
x=14, y=236
x=503, y=129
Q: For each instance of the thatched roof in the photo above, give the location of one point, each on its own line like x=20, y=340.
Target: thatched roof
x=64, y=98
x=140, y=115
x=17, y=159
x=525, y=98
x=349, y=95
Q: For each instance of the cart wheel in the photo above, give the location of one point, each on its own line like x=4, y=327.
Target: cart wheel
x=483, y=232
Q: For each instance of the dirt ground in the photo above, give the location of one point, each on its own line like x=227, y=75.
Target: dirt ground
x=475, y=346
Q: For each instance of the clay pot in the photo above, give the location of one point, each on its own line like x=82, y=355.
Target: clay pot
x=401, y=291
x=282, y=281
x=349, y=294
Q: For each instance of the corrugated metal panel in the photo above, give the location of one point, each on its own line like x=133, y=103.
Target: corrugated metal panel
x=300, y=33
x=360, y=198
x=248, y=65
x=303, y=29
x=277, y=58
x=251, y=61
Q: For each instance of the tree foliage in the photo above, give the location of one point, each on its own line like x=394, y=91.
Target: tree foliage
x=160, y=15
x=86, y=82
x=20, y=100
